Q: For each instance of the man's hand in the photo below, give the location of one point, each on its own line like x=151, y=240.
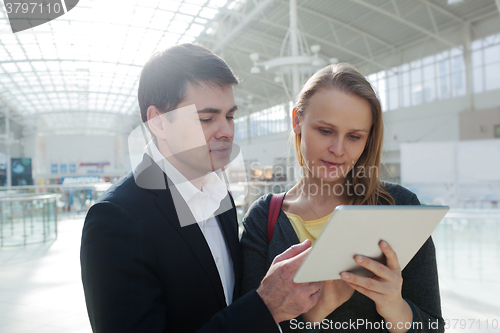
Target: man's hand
x=284, y=298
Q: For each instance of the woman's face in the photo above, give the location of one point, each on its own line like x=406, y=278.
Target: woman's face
x=334, y=130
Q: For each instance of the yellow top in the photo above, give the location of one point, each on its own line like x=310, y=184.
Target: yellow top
x=307, y=229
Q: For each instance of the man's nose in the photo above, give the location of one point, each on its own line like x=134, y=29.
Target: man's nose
x=226, y=129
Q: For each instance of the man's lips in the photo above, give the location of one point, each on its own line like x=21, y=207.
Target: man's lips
x=332, y=164
x=222, y=151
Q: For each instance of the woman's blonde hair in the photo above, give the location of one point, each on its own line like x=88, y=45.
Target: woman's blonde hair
x=347, y=79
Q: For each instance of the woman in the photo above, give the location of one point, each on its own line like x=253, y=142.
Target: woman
x=338, y=128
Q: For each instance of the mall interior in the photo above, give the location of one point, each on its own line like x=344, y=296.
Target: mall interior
x=68, y=111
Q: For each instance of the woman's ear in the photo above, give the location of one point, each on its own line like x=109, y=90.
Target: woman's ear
x=155, y=122
x=296, y=121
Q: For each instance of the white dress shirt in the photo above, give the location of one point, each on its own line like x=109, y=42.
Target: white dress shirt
x=202, y=205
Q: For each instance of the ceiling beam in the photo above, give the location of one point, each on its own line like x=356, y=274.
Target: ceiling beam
x=344, y=24
x=70, y=60
x=323, y=41
x=250, y=18
x=443, y=11
x=73, y=92
x=403, y=21
x=83, y=112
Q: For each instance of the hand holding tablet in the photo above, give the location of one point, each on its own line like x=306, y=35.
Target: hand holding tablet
x=358, y=230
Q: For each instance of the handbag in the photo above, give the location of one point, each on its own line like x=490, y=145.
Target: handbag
x=274, y=211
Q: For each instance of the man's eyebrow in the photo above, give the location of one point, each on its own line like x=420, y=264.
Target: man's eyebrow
x=332, y=125
x=215, y=110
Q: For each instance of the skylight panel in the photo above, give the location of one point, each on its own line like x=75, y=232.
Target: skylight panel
x=18, y=55
x=186, y=39
x=208, y=13
x=161, y=19
x=168, y=40
x=24, y=66
x=142, y=16
x=22, y=84
x=200, y=20
x=135, y=35
x=26, y=39
x=183, y=18
x=190, y=9
x=126, y=31
x=178, y=27
x=9, y=68
x=150, y=3
x=39, y=66
x=135, y=71
x=4, y=25
x=218, y=3
x=43, y=39
x=169, y=5
x=151, y=39
x=234, y=5
x=195, y=30
x=9, y=39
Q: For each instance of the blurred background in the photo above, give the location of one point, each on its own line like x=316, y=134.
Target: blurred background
x=68, y=103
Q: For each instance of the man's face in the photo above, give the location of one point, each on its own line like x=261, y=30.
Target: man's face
x=200, y=132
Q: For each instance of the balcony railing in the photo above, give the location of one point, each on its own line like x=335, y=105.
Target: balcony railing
x=28, y=219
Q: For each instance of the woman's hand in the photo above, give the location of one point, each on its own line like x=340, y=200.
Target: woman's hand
x=334, y=293
x=384, y=288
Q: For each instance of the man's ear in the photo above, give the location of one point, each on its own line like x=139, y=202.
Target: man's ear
x=155, y=122
x=296, y=121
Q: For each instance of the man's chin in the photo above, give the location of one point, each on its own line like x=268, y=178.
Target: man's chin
x=220, y=164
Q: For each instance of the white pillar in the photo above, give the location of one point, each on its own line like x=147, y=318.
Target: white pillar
x=8, y=183
x=468, y=66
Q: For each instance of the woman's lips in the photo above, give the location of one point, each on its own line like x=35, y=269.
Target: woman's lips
x=332, y=165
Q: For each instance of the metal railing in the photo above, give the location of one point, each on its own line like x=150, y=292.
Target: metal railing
x=28, y=219
x=468, y=245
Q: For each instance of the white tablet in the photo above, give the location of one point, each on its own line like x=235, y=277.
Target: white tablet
x=353, y=230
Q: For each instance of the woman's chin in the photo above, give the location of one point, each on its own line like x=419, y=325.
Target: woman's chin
x=327, y=179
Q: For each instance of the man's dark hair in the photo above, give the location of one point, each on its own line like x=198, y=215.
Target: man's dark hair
x=165, y=76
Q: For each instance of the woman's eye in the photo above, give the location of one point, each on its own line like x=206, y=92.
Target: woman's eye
x=325, y=131
x=354, y=137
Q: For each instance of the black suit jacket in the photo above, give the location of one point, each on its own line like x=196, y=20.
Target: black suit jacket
x=143, y=273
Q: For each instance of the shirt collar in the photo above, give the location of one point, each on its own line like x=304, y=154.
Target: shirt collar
x=213, y=186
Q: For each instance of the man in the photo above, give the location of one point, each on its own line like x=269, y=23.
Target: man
x=160, y=249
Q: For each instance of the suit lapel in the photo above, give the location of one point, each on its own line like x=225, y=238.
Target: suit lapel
x=194, y=238
x=228, y=223
x=150, y=176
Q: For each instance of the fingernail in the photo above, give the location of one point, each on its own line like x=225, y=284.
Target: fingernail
x=346, y=276
x=359, y=259
x=384, y=244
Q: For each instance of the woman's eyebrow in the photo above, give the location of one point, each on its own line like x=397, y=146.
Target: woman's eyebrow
x=332, y=125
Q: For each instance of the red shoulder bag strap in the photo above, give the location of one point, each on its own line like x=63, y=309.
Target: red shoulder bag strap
x=274, y=211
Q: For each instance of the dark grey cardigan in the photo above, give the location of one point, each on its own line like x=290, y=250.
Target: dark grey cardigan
x=420, y=280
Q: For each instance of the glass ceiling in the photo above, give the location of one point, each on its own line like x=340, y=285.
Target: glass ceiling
x=90, y=58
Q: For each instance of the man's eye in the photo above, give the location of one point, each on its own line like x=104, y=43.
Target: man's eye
x=206, y=120
x=230, y=117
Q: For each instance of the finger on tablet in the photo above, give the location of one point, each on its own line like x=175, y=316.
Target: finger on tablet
x=362, y=283
x=373, y=266
x=391, y=256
